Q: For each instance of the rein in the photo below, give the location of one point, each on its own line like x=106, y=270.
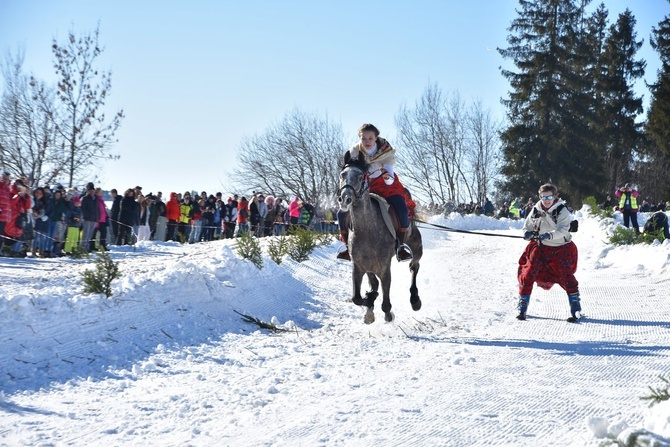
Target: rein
x=364, y=185
x=443, y=228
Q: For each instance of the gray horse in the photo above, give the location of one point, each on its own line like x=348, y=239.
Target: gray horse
x=371, y=246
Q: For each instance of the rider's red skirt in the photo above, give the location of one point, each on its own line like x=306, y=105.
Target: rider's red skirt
x=378, y=186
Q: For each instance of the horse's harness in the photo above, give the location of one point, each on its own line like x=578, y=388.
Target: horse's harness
x=364, y=184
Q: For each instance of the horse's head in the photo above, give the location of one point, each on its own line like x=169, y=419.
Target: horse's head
x=353, y=183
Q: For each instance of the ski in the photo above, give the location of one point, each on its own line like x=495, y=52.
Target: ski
x=574, y=318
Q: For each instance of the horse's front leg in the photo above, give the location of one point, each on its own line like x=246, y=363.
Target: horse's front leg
x=386, y=291
x=370, y=298
x=357, y=279
x=414, y=299
x=373, y=293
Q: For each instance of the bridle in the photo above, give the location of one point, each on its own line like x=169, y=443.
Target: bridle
x=364, y=184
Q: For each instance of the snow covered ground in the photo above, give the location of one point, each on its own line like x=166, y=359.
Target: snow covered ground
x=168, y=362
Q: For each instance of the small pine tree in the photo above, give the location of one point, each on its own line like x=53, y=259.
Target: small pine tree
x=277, y=248
x=627, y=236
x=248, y=247
x=78, y=252
x=323, y=239
x=593, y=203
x=658, y=395
x=596, y=210
x=100, y=279
x=650, y=237
x=302, y=244
x=623, y=236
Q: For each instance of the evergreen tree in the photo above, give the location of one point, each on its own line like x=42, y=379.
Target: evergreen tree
x=658, y=117
x=620, y=107
x=572, y=110
x=656, y=165
x=597, y=25
x=548, y=135
x=593, y=49
x=578, y=171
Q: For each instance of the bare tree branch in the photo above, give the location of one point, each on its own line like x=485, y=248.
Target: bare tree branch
x=82, y=90
x=31, y=147
x=295, y=156
x=448, y=152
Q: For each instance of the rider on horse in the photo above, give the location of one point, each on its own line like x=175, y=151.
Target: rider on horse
x=379, y=156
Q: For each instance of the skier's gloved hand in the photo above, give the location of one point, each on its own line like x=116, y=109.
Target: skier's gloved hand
x=528, y=235
x=544, y=236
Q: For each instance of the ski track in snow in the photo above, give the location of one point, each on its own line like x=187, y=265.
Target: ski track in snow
x=461, y=371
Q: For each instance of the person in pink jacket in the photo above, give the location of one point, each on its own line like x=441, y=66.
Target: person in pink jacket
x=294, y=210
x=5, y=202
x=103, y=220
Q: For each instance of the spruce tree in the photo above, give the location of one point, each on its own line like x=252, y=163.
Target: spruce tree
x=658, y=116
x=548, y=135
x=621, y=107
x=579, y=171
x=656, y=164
x=595, y=35
x=572, y=110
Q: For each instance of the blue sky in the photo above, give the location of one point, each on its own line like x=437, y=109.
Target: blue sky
x=196, y=77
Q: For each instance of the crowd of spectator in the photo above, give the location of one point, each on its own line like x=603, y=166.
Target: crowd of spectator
x=53, y=222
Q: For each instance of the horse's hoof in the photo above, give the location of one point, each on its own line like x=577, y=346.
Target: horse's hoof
x=416, y=304
x=369, y=317
x=389, y=317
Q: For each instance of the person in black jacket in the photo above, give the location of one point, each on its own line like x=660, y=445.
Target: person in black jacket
x=229, y=218
x=157, y=211
x=41, y=210
x=114, y=212
x=254, y=214
x=128, y=212
x=657, y=224
x=307, y=214
x=90, y=215
x=208, y=218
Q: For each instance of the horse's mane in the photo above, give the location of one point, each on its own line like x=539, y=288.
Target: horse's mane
x=358, y=162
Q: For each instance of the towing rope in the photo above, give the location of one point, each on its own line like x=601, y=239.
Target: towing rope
x=443, y=228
